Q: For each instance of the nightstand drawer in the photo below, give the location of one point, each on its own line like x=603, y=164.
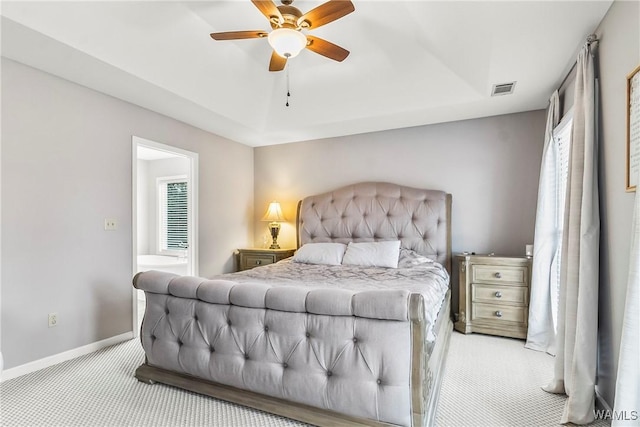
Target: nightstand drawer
x=498, y=313
x=499, y=274
x=251, y=261
x=499, y=294
x=246, y=259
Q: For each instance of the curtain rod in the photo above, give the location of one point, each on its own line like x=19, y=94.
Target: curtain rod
x=591, y=38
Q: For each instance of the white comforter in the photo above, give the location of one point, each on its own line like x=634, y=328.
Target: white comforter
x=414, y=273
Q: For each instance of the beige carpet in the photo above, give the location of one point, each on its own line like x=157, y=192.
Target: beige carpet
x=488, y=382
x=494, y=381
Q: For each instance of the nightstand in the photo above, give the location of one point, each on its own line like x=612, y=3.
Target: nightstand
x=247, y=259
x=494, y=295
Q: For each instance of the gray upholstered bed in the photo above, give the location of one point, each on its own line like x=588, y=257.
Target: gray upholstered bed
x=370, y=352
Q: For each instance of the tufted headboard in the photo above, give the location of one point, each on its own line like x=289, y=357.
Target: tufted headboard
x=371, y=211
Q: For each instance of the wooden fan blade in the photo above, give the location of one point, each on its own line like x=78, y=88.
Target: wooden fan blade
x=277, y=62
x=236, y=35
x=325, y=48
x=327, y=12
x=268, y=9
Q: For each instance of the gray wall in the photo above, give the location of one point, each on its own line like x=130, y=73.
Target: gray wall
x=66, y=166
x=490, y=166
x=619, y=54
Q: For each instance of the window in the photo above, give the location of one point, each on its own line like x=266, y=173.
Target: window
x=173, y=215
x=562, y=150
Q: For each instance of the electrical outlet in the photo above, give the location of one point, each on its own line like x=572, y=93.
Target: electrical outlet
x=53, y=319
x=110, y=224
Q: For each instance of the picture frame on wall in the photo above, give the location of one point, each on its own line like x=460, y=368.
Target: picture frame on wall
x=633, y=129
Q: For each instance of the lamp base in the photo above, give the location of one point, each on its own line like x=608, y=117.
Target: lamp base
x=274, y=227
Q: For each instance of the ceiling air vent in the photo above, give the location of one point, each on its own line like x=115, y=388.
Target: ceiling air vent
x=503, y=89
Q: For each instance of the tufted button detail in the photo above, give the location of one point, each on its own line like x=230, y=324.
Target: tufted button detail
x=180, y=343
x=153, y=337
x=329, y=373
x=266, y=329
x=355, y=339
x=307, y=335
x=166, y=310
x=285, y=366
x=379, y=381
x=195, y=318
x=212, y=349
x=246, y=356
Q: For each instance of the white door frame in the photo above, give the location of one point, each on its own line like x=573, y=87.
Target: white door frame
x=192, y=215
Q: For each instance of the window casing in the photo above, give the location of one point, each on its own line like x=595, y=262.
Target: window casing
x=173, y=215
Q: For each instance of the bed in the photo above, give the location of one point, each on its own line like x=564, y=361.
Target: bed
x=315, y=342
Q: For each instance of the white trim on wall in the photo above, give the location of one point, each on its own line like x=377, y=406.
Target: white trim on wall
x=134, y=232
x=36, y=365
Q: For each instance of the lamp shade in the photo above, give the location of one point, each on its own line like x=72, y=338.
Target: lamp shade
x=287, y=42
x=274, y=213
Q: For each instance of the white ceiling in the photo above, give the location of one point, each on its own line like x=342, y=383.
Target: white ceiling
x=411, y=63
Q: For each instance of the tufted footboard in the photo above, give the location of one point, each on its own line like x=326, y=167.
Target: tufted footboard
x=356, y=357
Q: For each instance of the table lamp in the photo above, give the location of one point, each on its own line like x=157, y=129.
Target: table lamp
x=274, y=215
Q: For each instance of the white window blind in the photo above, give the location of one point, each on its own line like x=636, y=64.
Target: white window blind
x=173, y=214
x=562, y=149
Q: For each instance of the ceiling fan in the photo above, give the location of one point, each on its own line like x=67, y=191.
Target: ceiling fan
x=287, y=23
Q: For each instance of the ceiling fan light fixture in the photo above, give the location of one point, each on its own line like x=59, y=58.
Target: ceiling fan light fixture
x=287, y=42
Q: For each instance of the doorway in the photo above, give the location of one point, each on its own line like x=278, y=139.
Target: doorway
x=164, y=213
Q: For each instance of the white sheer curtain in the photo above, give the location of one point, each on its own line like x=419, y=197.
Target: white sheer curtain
x=628, y=379
x=541, y=332
x=576, y=339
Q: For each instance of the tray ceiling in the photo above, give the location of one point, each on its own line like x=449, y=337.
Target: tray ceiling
x=411, y=63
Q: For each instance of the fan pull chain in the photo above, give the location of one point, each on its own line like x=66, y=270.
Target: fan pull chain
x=288, y=92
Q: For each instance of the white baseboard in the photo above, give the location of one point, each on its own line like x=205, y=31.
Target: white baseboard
x=36, y=365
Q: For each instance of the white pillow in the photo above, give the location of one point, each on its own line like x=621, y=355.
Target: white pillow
x=320, y=253
x=373, y=254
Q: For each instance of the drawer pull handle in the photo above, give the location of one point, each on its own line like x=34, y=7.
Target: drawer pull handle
x=498, y=275
x=258, y=262
x=498, y=294
x=498, y=314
